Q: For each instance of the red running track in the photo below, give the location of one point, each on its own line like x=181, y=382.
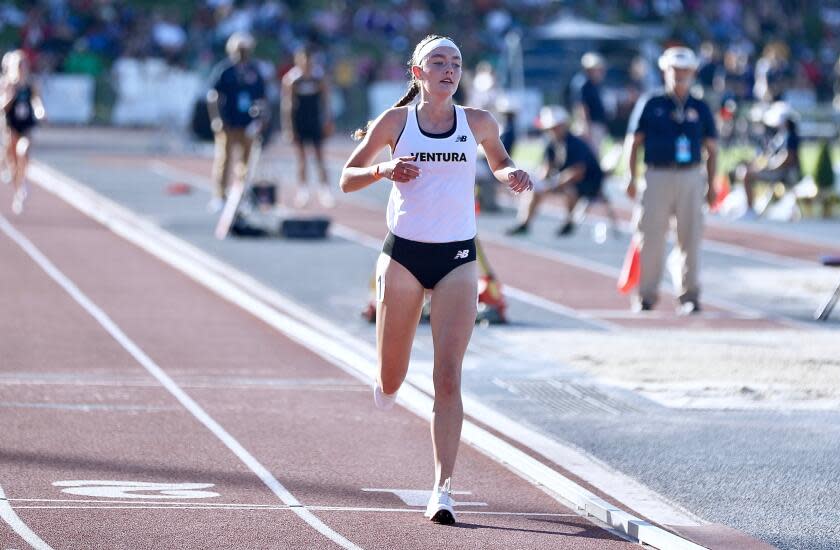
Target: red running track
x=82, y=419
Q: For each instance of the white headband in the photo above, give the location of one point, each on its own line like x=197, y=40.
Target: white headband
x=432, y=44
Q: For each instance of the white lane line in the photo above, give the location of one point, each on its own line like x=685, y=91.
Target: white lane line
x=8, y=515
x=191, y=405
x=351, y=355
x=70, y=503
x=669, y=315
x=286, y=508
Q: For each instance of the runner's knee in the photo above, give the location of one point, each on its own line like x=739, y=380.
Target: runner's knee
x=447, y=382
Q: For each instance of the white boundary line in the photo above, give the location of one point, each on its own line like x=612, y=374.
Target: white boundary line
x=204, y=270
x=285, y=508
x=151, y=505
x=188, y=403
x=8, y=515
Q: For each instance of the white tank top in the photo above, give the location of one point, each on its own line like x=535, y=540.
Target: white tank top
x=438, y=206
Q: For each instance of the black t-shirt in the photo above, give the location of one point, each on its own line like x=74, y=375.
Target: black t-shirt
x=589, y=94
x=663, y=122
x=239, y=87
x=572, y=151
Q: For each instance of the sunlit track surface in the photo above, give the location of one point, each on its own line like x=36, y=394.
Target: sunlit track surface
x=300, y=464
x=703, y=445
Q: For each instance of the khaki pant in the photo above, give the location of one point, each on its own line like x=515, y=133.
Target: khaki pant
x=678, y=193
x=226, y=141
x=597, y=133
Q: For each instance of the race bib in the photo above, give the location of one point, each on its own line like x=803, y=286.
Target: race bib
x=244, y=101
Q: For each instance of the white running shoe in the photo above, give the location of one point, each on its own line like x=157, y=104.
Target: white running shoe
x=302, y=197
x=325, y=197
x=215, y=205
x=383, y=401
x=17, y=202
x=441, y=507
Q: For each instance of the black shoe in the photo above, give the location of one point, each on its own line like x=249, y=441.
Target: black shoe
x=566, y=229
x=641, y=305
x=520, y=229
x=689, y=308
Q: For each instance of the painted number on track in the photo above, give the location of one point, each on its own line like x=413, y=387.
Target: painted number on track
x=135, y=489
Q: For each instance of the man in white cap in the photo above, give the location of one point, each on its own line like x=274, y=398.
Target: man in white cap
x=779, y=162
x=569, y=166
x=236, y=103
x=588, y=102
x=675, y=130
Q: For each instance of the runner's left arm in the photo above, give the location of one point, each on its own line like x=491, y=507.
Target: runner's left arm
x=486, y=132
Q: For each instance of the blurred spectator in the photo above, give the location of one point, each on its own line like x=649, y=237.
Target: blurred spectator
x=737, y=82
x=484, y=90
x=307, y=121
x=711, y=65
x=588, y=101
x=236, y=103
x=772, y=72
x=798, y=41
x=673, y=129
x=569, y=167
x=779, y=162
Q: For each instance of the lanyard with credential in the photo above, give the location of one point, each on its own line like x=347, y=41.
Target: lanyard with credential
x=682, y=147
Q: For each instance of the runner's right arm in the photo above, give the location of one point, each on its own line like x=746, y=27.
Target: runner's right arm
x=360, y=171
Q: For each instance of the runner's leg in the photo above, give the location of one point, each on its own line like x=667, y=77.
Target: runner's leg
x=399, y=302
x=454, y=302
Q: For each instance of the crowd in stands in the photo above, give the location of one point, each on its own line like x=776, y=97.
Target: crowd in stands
x=751, y=50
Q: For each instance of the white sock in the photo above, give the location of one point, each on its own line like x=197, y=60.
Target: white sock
x=383, y=401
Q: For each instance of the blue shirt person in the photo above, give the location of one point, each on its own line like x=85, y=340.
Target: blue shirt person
x=675, y=129
x=236, y=104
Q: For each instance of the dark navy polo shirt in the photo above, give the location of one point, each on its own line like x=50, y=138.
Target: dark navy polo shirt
x=238, y=87
x=658, y=118
x=576, y=151
x=590, y=95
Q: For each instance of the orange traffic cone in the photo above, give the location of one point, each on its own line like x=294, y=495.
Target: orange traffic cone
x=631, y=270
x=178, y=188
x=722, y=188
x=369, y=311
x=491, y=301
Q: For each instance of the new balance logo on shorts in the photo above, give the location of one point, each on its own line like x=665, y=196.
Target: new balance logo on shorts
x=462, y=255
x=461, y=139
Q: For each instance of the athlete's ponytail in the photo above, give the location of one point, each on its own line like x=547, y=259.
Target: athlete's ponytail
x=410, y=94
x=413, y=85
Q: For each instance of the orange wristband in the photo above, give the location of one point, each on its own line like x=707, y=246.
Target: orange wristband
x=376, y=173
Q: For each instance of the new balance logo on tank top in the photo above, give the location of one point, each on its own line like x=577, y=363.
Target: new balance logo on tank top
x=438, y=206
